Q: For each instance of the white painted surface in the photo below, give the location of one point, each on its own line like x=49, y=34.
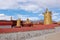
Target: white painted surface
x=5, y=26
x=31, y=35
x=52, y=36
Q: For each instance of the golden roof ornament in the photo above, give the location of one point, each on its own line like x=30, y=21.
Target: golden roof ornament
x=18, y=22
x=28, y=21
x=47, y=17
x=47, y=10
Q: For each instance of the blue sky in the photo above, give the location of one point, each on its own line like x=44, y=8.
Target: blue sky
x=31, y=9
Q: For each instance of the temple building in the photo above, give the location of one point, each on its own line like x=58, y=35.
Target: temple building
x=47, y=17
x=27, y=23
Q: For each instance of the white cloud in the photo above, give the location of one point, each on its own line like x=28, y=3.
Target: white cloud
x=22, y=0
x=29, y=5
x=4, y=17
x=40, y=4
x=47, y=3
x=24, y=17
x=56, y=16
x=34, y=18
x=41, y=14
x=8, y=4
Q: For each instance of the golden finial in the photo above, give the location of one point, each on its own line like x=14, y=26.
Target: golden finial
x=47, y=17
x=27, y=19
x=47, y=10
x=19, y=19
x=18, y=22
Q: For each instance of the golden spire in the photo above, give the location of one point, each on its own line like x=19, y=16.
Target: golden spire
x=18, y=23
x=28, y=21
x=47, y=17
x=47, y=10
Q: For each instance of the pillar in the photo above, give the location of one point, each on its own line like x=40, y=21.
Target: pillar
x=11, y=18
